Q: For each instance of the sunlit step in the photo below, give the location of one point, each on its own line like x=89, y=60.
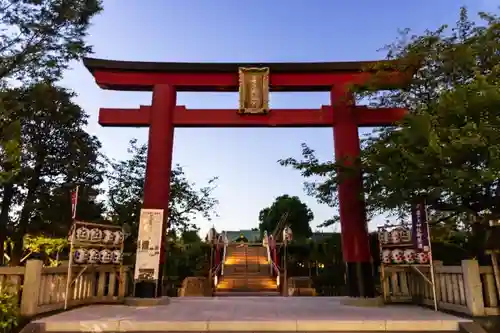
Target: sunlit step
x=256, y=287
x=232, y=261
x=229, y=285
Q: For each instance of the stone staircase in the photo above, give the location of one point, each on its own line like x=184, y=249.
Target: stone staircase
x=246, y=273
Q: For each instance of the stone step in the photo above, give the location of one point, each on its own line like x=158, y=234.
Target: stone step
x=247, y=277
x=243, y=293
x=249, y=258
x=249, y=285
x=243, y=264
x=245, y=287
x=242, y=255
x=231, y=283
x=246, y=268
x=243, y=272
x=244, y=281
x=236, y=284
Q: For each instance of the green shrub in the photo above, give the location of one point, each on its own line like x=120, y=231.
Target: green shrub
x=9, y=310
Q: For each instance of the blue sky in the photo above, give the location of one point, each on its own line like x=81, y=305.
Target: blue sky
x=245, y=31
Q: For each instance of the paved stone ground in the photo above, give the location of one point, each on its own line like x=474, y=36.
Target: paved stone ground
x=251, y=314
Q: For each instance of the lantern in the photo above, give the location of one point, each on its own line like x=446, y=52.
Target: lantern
x=93, y=257
x=106, y=256
x=116, y=256
x=108, y=236
x=118, y=237
x=96, y=235
x=211, y=235
x=82, y=234
x=287, y=234
x=81, y=255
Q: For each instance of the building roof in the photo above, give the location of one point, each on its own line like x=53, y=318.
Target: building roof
x=251, y=235
x=319, y=236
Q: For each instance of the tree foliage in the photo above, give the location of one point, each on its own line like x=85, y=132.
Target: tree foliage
x=447, y=149
x=187, y=256
x=298, y=218
x=126, y=188
x=56, y=154
x=9, y=143
x=39, y=38
x=9, y=308
x=48, y=247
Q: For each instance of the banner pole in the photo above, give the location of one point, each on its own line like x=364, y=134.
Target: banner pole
x=433, y=276
x=74, y=201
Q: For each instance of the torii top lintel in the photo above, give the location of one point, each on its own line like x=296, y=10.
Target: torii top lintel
x=207, y=77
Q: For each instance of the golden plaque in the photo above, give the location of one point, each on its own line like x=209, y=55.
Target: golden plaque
x=254, y=90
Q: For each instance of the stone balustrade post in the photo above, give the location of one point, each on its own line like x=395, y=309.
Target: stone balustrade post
x=123, y=282
x=31, y=287
x=473, y=287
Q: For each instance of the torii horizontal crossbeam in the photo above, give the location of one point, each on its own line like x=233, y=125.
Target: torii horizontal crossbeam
x=143, y=76
x=183, y=117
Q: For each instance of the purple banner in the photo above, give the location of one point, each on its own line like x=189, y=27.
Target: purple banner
x=419, y=227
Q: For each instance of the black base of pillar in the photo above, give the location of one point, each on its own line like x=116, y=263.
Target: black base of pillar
x=150, y=288
x=360, y=279
x=145, y=289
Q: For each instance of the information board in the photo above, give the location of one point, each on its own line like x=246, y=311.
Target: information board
x=147, y=262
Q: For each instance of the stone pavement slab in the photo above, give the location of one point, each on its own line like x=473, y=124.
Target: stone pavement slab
x=250, y=314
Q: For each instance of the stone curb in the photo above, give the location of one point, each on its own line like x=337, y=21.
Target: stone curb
x=246, y=326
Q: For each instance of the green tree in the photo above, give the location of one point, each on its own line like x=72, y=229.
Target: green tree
x=190, y=237
x=38, y=39
x=298, y=218
x=126, y=188
x=9, y=143
x=185, y=259
x=447, y=149
x=48, y=247
x=56, y=155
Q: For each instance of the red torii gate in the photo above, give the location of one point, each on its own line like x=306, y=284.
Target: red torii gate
x=163, y=115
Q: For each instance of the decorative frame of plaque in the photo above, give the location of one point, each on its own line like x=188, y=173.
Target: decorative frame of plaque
x=254, y=90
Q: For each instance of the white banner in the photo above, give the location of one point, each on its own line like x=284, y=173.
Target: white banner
x=147, y=261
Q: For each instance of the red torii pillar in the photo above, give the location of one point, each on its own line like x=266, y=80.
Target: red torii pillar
x=164, y=115
x=160, y=148
x=158, y=169
x=355, y=237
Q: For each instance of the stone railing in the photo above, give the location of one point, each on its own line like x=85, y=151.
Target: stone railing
x=11, y=279
x=468, y=288
x=43, y=289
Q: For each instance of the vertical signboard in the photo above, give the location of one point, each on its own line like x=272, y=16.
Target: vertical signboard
x=147, y=262
x=420, y=230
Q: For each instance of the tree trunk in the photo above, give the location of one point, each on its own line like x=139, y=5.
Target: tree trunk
x=24, y=218
x=8, y=195
x=477, y=242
